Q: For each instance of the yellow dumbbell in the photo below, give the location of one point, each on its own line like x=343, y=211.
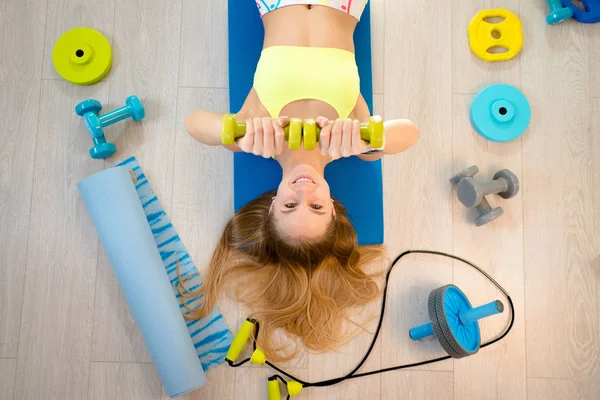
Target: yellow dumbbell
x=308, y=130
x=371, y=132
x=234, y=129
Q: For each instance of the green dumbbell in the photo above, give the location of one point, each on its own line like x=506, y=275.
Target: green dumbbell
x=371, y=132
x=306, y=130
x=234, y=129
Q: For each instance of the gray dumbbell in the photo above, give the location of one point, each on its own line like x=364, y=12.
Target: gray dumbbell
x=471, y=193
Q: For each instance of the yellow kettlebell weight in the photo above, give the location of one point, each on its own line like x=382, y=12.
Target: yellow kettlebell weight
x=82, y=56
x=484, y=35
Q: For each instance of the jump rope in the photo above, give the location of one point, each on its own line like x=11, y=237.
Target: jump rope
x=295, y=385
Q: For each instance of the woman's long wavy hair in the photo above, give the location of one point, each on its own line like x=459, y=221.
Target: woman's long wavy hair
x=304, y=287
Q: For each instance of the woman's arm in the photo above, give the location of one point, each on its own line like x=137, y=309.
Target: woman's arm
x=205, y=126
x=400, y=135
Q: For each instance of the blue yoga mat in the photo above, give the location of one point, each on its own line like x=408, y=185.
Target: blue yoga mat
x=143, y=248
x=357, y=184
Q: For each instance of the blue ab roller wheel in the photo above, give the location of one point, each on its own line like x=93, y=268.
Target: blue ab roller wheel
x=500, y=113
x=454, y=321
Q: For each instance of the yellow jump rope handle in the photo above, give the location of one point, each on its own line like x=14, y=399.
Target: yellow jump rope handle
x=306, y=130
x=273, y=389
x=240, y=340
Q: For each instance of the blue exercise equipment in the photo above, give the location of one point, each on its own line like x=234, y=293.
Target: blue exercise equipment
x=500, y=113
x=357, y=184
x=591, y=13
x=558, y=13
x=453, y=321
x=89, y=109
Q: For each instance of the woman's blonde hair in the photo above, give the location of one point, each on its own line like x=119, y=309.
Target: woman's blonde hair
x=304, y=287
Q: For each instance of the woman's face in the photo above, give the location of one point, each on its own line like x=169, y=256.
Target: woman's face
x=303, y=207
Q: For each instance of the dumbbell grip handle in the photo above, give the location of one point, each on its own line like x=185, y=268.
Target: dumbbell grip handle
x=477, y=313
x=493, y=187
x=115, y=116
x=419, y=332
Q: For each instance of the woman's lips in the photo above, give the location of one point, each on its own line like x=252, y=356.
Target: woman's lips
x=304, y=179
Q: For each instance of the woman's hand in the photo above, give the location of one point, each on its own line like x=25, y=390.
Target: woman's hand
x=264, y=136
x=341, y=138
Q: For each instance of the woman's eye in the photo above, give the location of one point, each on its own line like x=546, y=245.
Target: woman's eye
x=316, y=207
x=290, y=205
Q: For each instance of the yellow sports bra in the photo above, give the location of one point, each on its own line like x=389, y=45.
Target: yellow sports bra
x=285, y=74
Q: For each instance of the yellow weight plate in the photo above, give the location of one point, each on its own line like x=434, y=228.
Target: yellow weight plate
x=295, y=134
x=310, y=134
x=484, y=35
x=82, y=56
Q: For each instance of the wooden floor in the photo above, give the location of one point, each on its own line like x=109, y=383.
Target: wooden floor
x=65, y=330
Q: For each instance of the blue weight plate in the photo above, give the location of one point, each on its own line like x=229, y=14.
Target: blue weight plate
x=500, y=113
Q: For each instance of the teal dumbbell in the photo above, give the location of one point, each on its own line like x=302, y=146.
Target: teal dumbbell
x=89, y=109
x=558, y=13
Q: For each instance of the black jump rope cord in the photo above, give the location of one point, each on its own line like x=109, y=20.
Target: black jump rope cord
x=352, y=374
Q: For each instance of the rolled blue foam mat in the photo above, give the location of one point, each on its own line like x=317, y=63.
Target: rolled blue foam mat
x=144, y=249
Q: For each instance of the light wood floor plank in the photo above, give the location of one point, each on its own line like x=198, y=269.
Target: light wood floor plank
x=22, y=37
x=146, y=69
x=561, y=291
x=497, y=247
x=417, y=209
x=417, y=385
x=64, y=15
x=470, y=74
x=56, y=325
x=8, y=370
x=594, y=45
x=124, y=381
x=203, y=59
x=554, y=389
x=202, y=180
x=378, y=43
x=596, y=184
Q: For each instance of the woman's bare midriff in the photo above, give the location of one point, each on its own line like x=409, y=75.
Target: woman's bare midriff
x=317, y=26
x=307, y=26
